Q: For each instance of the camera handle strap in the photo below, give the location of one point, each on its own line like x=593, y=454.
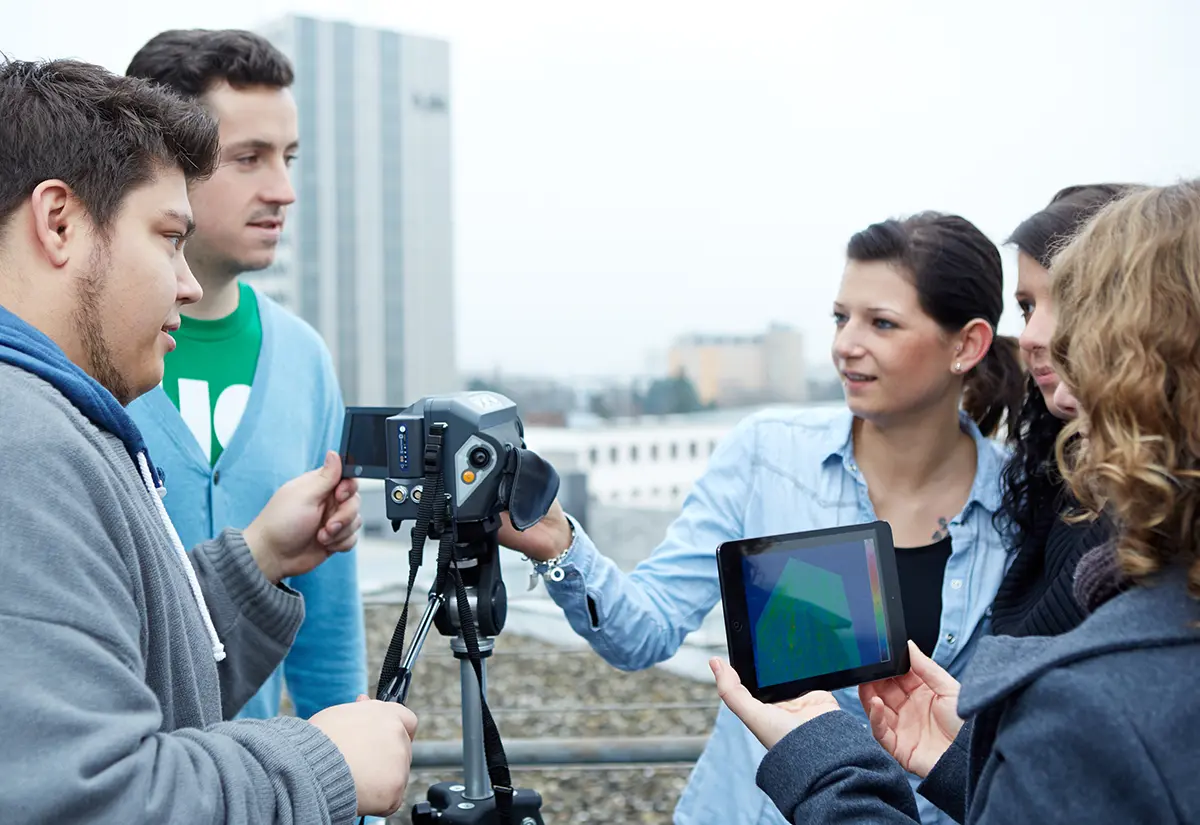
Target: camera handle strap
x=432, y=496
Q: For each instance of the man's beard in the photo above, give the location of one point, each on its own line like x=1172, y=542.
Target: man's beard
x=100, y=363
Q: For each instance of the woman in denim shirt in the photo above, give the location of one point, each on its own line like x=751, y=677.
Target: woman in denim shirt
x=926, y=381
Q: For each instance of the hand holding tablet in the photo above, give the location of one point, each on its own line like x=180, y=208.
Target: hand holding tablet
x=814, y=610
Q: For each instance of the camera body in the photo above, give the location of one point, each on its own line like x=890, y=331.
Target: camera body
x=482, y=435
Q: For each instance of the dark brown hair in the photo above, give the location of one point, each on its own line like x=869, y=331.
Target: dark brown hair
x=100, y=133
x=959, y=277
x=1043, y=233
x=190, y=61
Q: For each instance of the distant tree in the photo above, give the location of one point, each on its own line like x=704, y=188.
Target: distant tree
x=671, y=396
x=598, y=406
x=479, y=385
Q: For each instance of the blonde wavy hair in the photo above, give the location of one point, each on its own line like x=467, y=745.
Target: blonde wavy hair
x=1127, y=341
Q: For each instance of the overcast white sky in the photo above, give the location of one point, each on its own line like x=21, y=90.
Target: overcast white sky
x=628, y=171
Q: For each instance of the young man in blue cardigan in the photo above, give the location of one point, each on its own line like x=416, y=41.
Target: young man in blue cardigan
x=249, y=398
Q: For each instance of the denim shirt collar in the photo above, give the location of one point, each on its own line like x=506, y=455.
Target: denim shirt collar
x=839, y=445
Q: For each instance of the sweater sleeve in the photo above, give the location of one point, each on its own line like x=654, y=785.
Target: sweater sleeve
x=83, y=733
x=946, y=784
x=255, y=621
x=830, y=770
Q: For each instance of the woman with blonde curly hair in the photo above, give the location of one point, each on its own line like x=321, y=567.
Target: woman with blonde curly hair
x=1096, y=725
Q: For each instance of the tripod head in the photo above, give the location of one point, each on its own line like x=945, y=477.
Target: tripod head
x=473, y=467
x=478, y=564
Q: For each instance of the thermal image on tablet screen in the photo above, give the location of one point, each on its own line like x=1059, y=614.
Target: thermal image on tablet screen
x=815, y=610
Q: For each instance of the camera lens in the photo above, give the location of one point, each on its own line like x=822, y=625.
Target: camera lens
x=479, y=457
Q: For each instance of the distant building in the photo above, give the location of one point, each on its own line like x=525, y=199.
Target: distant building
x=644, y=463
x=367, y=254
x=733, y=370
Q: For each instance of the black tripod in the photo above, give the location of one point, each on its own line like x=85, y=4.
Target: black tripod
x=472, y=619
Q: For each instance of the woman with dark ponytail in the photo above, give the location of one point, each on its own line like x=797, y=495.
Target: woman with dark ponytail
x=1037, y=595
x=958, y=276
x=927, y=382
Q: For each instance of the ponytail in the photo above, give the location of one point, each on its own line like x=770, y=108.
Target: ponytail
x=995, y=389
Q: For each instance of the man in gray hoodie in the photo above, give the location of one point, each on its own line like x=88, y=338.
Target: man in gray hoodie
x=123, y=653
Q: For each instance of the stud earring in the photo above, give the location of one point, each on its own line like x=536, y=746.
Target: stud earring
x=958, y=366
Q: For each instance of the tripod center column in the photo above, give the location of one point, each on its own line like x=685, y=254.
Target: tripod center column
x=475, y=775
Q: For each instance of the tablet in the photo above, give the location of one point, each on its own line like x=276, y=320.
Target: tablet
x=817, y=610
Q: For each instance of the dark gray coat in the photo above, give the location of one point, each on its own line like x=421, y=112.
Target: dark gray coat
x=1098, y=725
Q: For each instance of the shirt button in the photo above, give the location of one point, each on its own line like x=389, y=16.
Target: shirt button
x=956, y=584
x=949, y=638
x=217, y=477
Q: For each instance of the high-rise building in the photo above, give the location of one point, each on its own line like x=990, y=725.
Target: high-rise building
x=367, y=254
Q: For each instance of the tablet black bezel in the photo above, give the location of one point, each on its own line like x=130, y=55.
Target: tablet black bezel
x=737, y=625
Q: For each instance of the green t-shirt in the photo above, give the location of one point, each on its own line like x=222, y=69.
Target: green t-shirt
x=209, y=374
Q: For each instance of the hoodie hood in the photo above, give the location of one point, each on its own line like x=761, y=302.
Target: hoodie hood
x=24, y=346
x=27, y=347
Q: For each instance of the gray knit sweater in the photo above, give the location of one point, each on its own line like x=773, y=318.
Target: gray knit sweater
x=111, y=698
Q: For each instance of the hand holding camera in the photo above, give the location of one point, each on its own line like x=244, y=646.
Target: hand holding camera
x=308, y=519
x=546, y=540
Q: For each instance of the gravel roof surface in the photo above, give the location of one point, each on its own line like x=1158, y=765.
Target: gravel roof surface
x=537, y=691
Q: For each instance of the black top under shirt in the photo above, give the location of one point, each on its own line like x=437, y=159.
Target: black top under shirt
x=921, y=570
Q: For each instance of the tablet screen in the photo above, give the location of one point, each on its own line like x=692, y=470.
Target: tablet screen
x=815, y=609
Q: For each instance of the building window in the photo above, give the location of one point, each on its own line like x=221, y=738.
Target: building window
x=674, y=450
x=654, y=452
x=633, y=452
x=593, y=456
x=613, y=454
x=712, y=446
x=693, y=450
x=674, y=492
